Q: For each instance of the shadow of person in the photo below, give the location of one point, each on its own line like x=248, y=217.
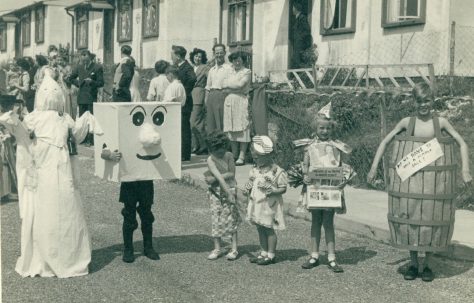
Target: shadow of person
x=442, y=267
x=164, y=245
x=354, y=255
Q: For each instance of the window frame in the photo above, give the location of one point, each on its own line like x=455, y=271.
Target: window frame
x=3, y=33
x=121, y=39
x=157, y=32
x=249, y=41
x=86, y=22
x=416, y=21
x=337, y=31
x=39, y=39
x=26, y=16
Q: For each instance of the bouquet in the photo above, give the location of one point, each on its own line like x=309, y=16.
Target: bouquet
x=295, y=176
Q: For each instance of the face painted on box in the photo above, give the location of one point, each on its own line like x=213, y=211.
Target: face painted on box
x=147, y=135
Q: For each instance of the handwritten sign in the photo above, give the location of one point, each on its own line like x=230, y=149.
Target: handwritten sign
x=419, y=158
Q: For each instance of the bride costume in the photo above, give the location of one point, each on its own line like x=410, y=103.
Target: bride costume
x=54, y=236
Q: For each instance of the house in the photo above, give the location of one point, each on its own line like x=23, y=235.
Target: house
x=30, y=30
x=150, y=27
x=356, y=32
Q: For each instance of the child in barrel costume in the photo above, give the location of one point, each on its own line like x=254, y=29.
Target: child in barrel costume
x=422, y=207
x=323, y=152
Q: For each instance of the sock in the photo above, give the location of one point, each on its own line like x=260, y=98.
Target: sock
x=263, y=253
x=331, y=257
x=271, y=255
x=315, y=255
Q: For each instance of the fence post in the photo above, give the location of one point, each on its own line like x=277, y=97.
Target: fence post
x=433, y=84
x=452, y=49
x=315, y=77
x=383, y=133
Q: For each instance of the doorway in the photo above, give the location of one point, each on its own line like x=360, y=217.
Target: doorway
x=108, y=37
x=294, y=38
x=18, y=49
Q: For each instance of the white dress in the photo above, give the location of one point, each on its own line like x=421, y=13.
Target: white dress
x=135, y=88
x=54, y=236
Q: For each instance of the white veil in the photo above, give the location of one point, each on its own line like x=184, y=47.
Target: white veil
x=50, y=96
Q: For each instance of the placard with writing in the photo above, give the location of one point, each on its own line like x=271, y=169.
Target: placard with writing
x=419, y=158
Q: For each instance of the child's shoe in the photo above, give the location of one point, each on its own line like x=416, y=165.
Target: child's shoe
x=232, y=255
x=254, y=259
x=427, y=275
x=411, y=273
x=310, y=263
x=216, y=253
x=266, y=261
x=335, y=267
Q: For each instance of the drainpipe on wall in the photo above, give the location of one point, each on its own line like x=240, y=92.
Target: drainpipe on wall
x=221, y=6
x=72, y=34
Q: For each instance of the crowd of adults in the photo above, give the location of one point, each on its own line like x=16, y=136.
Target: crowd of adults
x=213, y=93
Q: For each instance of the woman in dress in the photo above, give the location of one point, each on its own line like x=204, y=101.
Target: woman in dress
x=65, y=71
x=54, y=237
x=236, y=114
x=198, y=58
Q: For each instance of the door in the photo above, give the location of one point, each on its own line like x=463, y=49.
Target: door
x=109, y=31
x=294, y=46
x=18, y=49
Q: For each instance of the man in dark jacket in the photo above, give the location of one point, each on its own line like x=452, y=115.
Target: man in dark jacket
x=123, y=76
x=302, y=39
x=88, y=76
x=188, y=79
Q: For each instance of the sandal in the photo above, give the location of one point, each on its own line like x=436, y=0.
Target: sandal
x=216, y=253
x=266, y=261
x=310, y=263
x=335, y=267
x=239, y=162
x=232, y=255
x=254, y=259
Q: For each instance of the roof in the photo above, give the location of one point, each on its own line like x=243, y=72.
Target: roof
x=63, y=3
x=92, y=5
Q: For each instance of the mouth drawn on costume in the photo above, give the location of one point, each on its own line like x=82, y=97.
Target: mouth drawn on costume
x=148, y=157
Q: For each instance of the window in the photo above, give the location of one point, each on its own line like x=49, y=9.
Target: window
x=82, y=28
x=338, y=16
x=3, y=37
x=26, y=28
x=150, y=18
x=240, y=22
x=403, y=12
x=39, y=24
x=124, y=20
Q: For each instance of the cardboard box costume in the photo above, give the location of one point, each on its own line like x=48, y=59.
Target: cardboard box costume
x=127, y=128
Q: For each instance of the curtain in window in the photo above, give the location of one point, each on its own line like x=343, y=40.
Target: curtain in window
x=393, y=10
x=330, y=13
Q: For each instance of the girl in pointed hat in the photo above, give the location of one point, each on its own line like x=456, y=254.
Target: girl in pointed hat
x=323, y=152
x=266, y=186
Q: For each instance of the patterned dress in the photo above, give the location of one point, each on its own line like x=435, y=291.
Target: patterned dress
x=266, y=210
x=225, y=215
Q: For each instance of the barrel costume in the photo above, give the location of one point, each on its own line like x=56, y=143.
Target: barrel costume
x=421, y=209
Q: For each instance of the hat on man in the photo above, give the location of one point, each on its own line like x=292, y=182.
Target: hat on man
x=7, y=102
x=262, y=145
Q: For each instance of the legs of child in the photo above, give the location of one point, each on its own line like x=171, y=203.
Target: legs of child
x=316, y=225
x=412, y=272
x=263, y=245
x=328, y=224
x=233, y=253
x=243, y=149
x=216, y=253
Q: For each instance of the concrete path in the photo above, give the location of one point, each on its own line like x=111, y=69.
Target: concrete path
x=366, y=210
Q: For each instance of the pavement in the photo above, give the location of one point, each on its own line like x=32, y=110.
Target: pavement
x=181, y=234
x=366, y=210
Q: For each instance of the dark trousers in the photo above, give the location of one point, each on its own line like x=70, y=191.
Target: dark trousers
x=215, y=111
x=198, y=119
x=137, y=197
x=121, y=95
x=82, y=109
x=186, y=135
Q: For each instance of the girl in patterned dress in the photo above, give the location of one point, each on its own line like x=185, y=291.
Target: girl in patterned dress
x=221, y=180
x=267, y=184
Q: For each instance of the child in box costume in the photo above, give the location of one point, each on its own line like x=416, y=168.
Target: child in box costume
x=141, y=143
